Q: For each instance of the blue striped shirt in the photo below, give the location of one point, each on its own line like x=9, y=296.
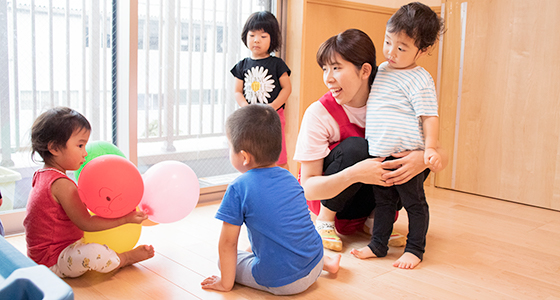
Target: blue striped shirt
x=397, y=100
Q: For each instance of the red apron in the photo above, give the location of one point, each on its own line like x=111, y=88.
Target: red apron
x=347, y=130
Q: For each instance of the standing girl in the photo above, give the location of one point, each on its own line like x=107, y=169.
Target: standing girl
x=56, y=217
x=263, y=78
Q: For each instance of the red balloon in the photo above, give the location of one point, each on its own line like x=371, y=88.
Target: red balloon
x=110, y=186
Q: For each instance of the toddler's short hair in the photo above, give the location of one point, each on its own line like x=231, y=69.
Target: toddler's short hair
x=55, y=126
x=266, y=21
x=419, y=22
x=256, y=129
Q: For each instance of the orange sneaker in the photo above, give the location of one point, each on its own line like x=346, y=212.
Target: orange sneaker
x=396, y=239
x=328, y=235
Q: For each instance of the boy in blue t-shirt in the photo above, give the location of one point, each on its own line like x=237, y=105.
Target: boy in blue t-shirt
x=287, y=252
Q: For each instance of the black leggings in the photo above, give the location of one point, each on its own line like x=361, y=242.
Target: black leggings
x=356, y=201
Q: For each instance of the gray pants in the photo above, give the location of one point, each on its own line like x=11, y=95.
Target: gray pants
x=244, y=276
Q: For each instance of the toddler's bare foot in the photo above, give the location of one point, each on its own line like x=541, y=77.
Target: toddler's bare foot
x=363, y=253
x=331, y=264
x=135, y=255
x=407, y=261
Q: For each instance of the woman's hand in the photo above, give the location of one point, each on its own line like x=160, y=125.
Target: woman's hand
x=406, y=165
x=369, y=171
x=318, y=186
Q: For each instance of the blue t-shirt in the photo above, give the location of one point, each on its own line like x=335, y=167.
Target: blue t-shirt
x=271, y=203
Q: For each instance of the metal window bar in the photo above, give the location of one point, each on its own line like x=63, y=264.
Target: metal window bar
x=51, y=54
x=160, y=68
x=190, y=70
x=213, y=62
x=4, y=83
x=104, y=74
x=85, y=35
x=225, y=47
x=15, y=79
x=201, y=72
x=67, y=22
x=33, y=61
x=146, y=47
x=169, y=73
x=177, y=77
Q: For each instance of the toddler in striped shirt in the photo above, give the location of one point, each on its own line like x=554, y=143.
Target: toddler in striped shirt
x=402, y=115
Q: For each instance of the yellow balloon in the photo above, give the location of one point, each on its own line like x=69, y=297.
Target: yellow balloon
x=149, y=222
x=121, y=239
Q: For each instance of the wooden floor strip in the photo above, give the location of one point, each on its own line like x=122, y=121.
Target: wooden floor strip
x=477, y=248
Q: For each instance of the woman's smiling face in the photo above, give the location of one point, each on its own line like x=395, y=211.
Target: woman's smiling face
x=347, y=83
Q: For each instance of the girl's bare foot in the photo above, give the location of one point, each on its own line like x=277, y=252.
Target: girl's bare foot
x=407, y=261
x=363, y=253
x=331, y=264
x=135, y=255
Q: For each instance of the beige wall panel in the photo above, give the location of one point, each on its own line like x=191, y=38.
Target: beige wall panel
x=397, y=3
x=449, y=86
x=324, y=19
x=509, y=114
x=294, y=42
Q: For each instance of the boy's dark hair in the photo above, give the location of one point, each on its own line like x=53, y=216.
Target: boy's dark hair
x=354, y=46
x=419, y=22
x=256, y=129
x=266, y=21
x=55, y=127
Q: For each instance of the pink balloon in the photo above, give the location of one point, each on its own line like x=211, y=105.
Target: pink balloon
x=110, y=186
x=171, y=191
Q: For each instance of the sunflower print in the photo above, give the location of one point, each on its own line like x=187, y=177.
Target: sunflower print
x=258, y=85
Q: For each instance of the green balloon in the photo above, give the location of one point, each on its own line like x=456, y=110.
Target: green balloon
x=98, y=148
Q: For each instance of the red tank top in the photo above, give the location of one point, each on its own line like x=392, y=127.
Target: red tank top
x=48, y=230
x=347, y=129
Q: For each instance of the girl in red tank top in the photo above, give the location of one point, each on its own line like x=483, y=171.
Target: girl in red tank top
x=56, y=217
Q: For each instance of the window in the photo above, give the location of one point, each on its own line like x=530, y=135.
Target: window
x=153, y=36
x=48, y=60
x=62, y=53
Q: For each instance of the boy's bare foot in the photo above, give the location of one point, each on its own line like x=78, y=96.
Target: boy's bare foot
x=135, y=255
x=331, y=264
x=363, y=253
x=407, y=261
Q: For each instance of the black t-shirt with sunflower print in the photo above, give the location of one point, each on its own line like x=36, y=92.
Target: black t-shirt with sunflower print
x=260, y=78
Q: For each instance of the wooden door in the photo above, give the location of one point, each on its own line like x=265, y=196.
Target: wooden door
x=500, y=108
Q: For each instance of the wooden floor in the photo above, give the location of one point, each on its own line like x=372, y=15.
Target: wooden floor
x=477, y=248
